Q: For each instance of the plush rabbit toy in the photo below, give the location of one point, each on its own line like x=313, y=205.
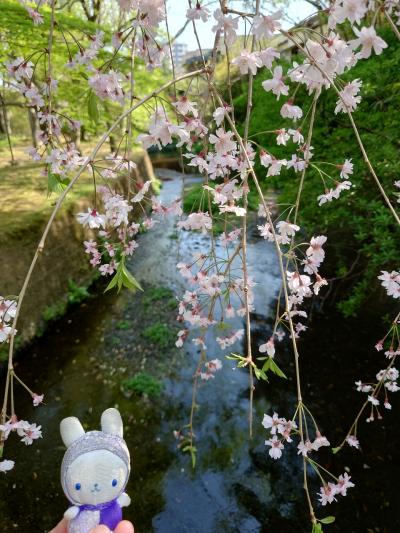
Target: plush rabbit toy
x=94, y=472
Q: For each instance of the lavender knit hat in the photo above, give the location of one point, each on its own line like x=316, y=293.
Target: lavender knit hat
x=91, y=441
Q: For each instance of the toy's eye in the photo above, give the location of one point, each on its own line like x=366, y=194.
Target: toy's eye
x=114, y=482
x=78, y=486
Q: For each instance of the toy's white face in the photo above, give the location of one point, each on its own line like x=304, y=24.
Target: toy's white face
x=96, y=477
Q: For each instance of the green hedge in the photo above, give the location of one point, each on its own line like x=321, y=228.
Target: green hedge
x=361, y=231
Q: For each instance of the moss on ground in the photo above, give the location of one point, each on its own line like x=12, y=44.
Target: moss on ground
x=143, y=383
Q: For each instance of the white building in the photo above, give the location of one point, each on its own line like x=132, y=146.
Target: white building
x=178, y=51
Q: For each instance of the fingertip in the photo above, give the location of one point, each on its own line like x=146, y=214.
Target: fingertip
x=125, y=527
x=100, y=529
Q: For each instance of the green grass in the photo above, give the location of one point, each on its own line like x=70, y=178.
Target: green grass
x=160, y=334
x=159, y=294
x=53, y=312
x=77, y=293
x=123, y=325
x=143, y=383
x=25, y=203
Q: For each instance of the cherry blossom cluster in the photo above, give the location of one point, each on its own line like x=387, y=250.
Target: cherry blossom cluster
x=282, y=431
x=33, y=12
x=211, y=287
x=300, y=285
x=21, y=72
x=210, y=368
x=59, y=156
x=116, y=232
x=386, y=380
x=27, y=431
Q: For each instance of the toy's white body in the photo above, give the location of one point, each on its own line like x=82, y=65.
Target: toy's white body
x=95, y=471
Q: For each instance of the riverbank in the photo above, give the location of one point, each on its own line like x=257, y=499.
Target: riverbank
x=63, y=271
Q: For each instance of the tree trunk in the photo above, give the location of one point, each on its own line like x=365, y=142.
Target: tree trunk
x=3, y=127
x=112, y=141
x=7, y=128
x=33, y=125
x=83, y=133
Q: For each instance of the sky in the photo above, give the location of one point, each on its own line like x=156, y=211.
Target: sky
x=298, y=10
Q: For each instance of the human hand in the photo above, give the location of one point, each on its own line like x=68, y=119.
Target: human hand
x=123, y=527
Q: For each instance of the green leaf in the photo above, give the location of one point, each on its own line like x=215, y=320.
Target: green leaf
x=317, y=528
x=93, y=109
x=56, y=183
x=113, y=282
x=129, y=281
x=336, y=450
x=235, y=357
x=193, y=454
x=273, y=367
x=123, y=278
x=260, y=374
x=327, y=520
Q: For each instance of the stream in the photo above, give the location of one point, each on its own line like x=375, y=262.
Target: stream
x=81, y=360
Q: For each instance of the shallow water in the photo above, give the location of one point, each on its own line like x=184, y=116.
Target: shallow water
x=81, y=360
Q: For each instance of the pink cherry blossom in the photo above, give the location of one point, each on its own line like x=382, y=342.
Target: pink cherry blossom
x=276, y=447
x=199, y=12
x=267, y=56
x=319, y=442
x=247, y=62
x=288, y=110
x=349, y=97
x=37, y=399
x=227, y=24
x=343, y=484
x=304, y=448
x=373, y=399
x=266, y=25
x=108, y=86
x=6, y=465
x=346, y=169
x=368, y=40
x=184, y=106
x=92, y=219
x=391, y=282
x=35, y=16
x=219, y=114
x=352, y=10
x=29, y=432
x=327, y=494
x=274, y=423
x=287, y=230
x=223, y=141
x=142, y=192
x=353, y=441
x=276, y=84
x=282, y=137
x=268, y=347
x=197, y=221
x=19, y=68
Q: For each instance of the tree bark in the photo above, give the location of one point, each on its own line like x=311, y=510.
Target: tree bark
x=33, y=125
